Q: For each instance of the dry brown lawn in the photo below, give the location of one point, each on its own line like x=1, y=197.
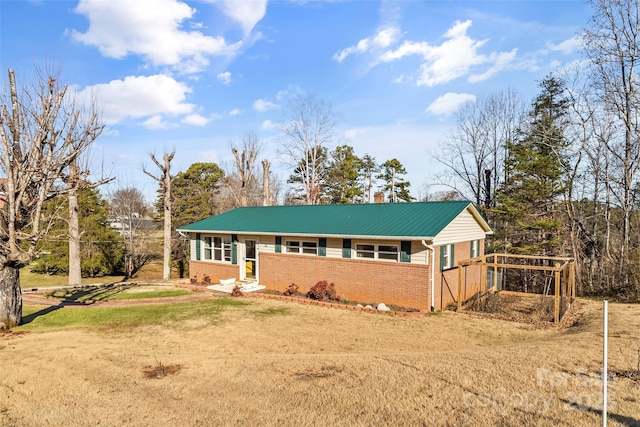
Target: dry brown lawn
x=280, y=363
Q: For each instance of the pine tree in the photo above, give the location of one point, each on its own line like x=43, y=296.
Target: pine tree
x=527, y=205
x=342, y=178
x=100, y=249
x=194, y=195
x=392, y=174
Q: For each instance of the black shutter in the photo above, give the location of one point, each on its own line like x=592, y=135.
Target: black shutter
x=346, y=248
x=405, y=251
x=322, y=246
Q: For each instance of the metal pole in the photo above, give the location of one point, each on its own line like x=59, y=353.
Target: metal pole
x=604, y=363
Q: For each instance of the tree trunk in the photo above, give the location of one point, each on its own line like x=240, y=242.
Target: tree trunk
x=75, y=268
x=165, y=187
x=265, y=183
x=10, y=297
x=166, y=271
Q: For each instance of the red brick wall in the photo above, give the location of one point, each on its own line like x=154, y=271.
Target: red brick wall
x=402, y=284
x=215, y=270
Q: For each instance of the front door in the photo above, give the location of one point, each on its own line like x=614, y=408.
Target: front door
x=250, y=259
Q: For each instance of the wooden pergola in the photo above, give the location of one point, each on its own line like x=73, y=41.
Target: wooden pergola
x=563, y=269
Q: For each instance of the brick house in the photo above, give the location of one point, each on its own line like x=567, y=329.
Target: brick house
x=403, y=254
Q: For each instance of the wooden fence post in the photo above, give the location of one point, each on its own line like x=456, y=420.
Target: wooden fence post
x=556, y=317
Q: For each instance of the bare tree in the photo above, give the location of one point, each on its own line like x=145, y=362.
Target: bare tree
x=128, y=207
x=478, y=143
x=164, y=180
x=613, y=48
x=266, y=196
x=75, y=179
x=42, y=131
x=308, y=129
x=242, y=180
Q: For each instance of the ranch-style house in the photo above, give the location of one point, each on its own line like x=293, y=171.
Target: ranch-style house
x=402, y=254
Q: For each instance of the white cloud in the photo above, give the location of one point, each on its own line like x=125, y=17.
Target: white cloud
x=457, y=56
x=383, y=39
x=281, y=94
x=449, y=103
x=267, y=125
x=225, y=77
x=151, y=29
x=235, y=112
x=448, y=61
x=195, y=120
x=245, y=12
x=500, y=61
x=139, y=96
x=155, y=122
x=262, y=105
x=567, y=47
x=402, y=79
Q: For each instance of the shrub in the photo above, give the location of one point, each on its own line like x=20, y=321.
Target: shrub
x=291, y=290
x=323, y=291
x=236, y=292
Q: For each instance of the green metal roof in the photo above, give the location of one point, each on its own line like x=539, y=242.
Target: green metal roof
x=379, y=220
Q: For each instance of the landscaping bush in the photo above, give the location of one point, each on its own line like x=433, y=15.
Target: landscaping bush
x=236, y=292
x=291, y=290
x=323, y=291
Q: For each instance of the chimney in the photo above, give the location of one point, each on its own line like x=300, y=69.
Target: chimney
x=378, y=197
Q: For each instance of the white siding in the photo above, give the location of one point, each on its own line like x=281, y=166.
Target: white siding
x=462, y=229
x=334, y=248
x=419, y=254
x=267, y=244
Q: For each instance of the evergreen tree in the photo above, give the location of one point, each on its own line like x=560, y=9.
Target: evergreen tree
x=368, y=170
x=342, y=178
x=527, y=205
x=100, y=245
x=194, y=196
x=194, y=193
x=395, y=185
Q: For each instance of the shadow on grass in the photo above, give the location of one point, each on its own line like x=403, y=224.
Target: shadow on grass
x=622, y=419
x=93, y=293
x=33, y=316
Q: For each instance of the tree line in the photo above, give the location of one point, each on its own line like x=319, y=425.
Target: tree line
x=560, y=176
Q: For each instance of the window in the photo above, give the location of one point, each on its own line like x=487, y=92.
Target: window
x=446, y=257
x=310, y=248
x=297, y=247
x=388, y=252
x=207, y=247
x=292, y=247
x=475, y=248
x=365, y=251
x=222, y=249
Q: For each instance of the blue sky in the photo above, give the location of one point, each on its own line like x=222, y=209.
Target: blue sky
x=192, y=76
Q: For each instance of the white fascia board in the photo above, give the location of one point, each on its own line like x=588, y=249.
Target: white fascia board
x=333, y=236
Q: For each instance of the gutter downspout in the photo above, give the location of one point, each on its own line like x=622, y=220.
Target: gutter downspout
x=433, y=272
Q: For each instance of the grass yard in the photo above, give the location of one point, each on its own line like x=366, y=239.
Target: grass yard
x=151, y=271
x=266, y=362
